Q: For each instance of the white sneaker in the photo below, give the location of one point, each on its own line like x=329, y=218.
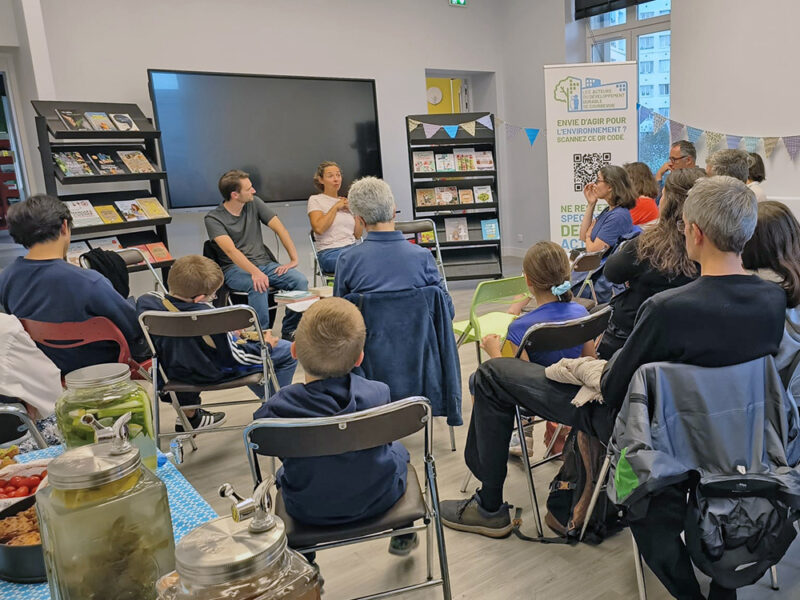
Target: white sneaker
x=202, y=419
x=515, y=448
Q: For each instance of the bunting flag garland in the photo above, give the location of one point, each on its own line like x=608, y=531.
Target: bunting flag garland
x=693, y=133
x=469, y=127
x=675, y=131
x=413, y=124
x=512, y=130
x=486, y=122
x=532, y=133
x=733, y=141
x=769, y=145
x=751, y=143
x=451, y=130
x=714, y=140
x=792, y=143
x=430, y=129
x=658, y=122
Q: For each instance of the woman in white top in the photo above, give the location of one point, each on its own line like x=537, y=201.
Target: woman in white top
x=755, y=176
x=334, y=226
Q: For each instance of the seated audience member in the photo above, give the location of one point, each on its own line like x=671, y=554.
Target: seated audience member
x=734, y=163
x=249, y=266
x=193, y=283
x=682, y=155
x=645, y=189
x=756, y=176
x=605, y=231
x=725, y=317
x=334, y=226
x=385, y=261
x=650, y=263
x=773, y=253
x=336, y=490
x=43, y=286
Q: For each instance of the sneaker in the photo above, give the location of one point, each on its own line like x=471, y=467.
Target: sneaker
x=288, y=336
x=402, y=545
x=469, y=515
x=202, y=419
x=515, y=448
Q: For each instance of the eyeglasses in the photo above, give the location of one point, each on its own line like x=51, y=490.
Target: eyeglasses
x=598, y=180
x=680, y=225
x=675, y=159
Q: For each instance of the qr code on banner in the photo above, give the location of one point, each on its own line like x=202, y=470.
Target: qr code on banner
x=586, y=166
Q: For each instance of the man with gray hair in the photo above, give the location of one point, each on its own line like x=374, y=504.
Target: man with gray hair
x=682, y=155
x=733, y=163
x=385, y=261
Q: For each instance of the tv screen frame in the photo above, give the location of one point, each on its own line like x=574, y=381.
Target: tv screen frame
x=375, y=169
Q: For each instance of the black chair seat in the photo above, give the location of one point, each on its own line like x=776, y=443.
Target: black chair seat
x=409, y=508
x=180, y=386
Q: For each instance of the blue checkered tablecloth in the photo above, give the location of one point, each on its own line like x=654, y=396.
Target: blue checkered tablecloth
x=187, y=507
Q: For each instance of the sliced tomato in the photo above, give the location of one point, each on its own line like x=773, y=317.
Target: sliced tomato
x=22, y=491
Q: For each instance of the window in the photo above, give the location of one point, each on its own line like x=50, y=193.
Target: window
x=664, y=40
x=609, y=19
x=664, y=110
x=663, y=89
x=646, y=43
x=663, y=66
x=656, y=8
x=645, y=90
x=646, y=66
x=609, y=51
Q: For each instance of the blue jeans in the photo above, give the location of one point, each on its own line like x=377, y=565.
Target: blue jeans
x=241, y=281
x=327, y=258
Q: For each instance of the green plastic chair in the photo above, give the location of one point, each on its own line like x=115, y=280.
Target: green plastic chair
x=499, y=291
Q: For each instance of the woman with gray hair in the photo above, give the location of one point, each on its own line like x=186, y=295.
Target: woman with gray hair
x=385, y=261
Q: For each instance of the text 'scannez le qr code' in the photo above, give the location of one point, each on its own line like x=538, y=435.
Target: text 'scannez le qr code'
x=585, y=167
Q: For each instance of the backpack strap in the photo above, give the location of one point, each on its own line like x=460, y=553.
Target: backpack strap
x=517, y=523
x=172, y=308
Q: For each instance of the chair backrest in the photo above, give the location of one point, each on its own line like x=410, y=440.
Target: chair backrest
x=328, y=436
x=198, y=323
x=76, y=334
x=587, y=261
x=497, y=291
x=550, y=337
x=416, y=226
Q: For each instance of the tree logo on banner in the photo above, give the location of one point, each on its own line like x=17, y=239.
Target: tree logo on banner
x=568, y=91
x=591, y=95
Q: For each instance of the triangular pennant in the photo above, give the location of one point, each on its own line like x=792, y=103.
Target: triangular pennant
x=675, y=131
x=486, y=121
x=413, y=124
x=693, y=133
x=451, y=130
x=644, y=111
x=532, y=133
x=733, y=141
x=430, y=129
x=658, y=122
x=751, y=143
x=769, y=145
x=469, y=127
x=512, y=130
x=713, y=140
x=792, y=143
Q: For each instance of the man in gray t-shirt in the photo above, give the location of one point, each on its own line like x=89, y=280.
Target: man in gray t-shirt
x=248, y=265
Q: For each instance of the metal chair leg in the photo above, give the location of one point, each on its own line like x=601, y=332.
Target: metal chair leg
x=601, y=478
x=773, y=574
x=434, y=502
x=429, y=548
x=553, y=440
x=529, y=474
x=637, y=561
x=452, y=439
x=465, y=483
x=187, y=428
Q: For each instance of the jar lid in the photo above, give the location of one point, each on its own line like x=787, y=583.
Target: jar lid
x=222, y=550
x=91, y=466
x=104, y=374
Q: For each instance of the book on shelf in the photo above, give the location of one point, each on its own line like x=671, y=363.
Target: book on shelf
x=445, y=162
x=123, y=121
x=289, y=296
x=136, y=161
x=108, y=214
x=72, y=164
x=159, y=252
x=446, y=195
x=100, y=121
x=83, y=213
x=466, y=197
x=74, y=252
x=130, y=210
x=146, y=252
x=484, y=161
x=107, y=243
x=465, y=159
x=426, y=197
x=105, y=164
x=152, y=207
x=426, y=237
x=455, y=229
x=424, y=162
x=74, y=120
x=483, y=193
x=490, y=229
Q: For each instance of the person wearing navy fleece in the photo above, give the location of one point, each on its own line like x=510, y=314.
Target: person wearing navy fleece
x=43, y=286
x=335, y=490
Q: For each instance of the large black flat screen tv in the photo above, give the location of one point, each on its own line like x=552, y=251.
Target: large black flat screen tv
x=278, y=129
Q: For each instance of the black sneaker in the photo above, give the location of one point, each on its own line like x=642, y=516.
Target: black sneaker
x=288, y=336
x=402, y=545
x=469, y=515
x=202, y=419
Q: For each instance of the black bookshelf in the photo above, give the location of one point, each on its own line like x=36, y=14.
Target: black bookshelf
x=54, y=136
x=473, y=258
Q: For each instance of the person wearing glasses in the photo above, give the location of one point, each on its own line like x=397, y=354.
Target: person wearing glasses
x=682, y=155
x=612, y=224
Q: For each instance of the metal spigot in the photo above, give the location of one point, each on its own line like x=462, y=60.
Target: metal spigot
x=117, y=434
x=259, y=507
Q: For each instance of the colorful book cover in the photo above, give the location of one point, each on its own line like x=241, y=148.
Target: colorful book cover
x=466, y=197
x=484, y=160
x=130, y=210
x=107, y=243
x=105, y=164
x=490, y=229
x=100, y=121
x=123, y=122
x=427, y=237
x=83, y=213
x=424, y=162
x=455, y=229
x=72, y=164
x=446, y=195
x=152, y=207
x=159, y=252
x=135, y=161
x=74, y=252
x=73, y=120
x=426, y=197
x=465, y=159
x=445, y=162
x=108, y=213
x=147, y=254
x=483, y=193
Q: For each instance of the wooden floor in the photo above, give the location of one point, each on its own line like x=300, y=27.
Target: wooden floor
x=480, y=568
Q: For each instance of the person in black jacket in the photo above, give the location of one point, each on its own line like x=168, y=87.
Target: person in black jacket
x=650, y=263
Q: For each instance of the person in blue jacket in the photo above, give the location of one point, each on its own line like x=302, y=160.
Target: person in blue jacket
x=335, y=490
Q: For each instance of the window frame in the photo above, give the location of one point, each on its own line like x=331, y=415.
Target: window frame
x=630, y=31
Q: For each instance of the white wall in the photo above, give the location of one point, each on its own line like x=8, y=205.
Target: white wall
x=8, y=25
x=733, y=71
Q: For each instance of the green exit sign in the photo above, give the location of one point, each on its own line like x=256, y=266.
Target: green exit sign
x=458, y=2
